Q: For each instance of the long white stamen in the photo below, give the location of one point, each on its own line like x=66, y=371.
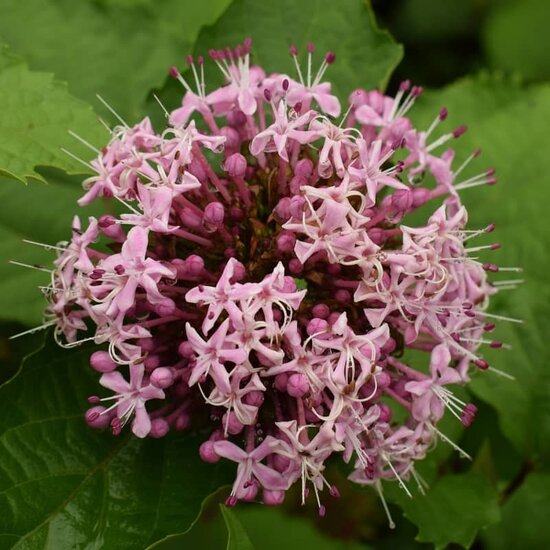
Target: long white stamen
x=378, y=487
x=36, y=267
x=78, y=159
x=462, y=452
x=84, y=142
x=119, y=118
x=502, y=373
x=46, y=246
x=166, y=113
x=33, y=330
x=500, y=317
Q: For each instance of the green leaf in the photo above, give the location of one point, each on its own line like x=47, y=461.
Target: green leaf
x=37, y=112
x=453, y=510
x=237, y=538
x=64, y=485
x=272, y=529
x=41, y=213
x=516, y=38
x=510, y=124
x=365, y=55
x=524, y=518
x=119, y=49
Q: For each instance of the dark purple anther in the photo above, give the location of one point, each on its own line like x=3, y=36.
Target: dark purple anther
x=459, y=131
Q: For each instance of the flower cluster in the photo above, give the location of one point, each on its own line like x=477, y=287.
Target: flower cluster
x=271, y=271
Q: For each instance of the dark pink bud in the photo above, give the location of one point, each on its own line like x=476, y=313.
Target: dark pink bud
x=417, y=90
x=322, y=511
x=297, y=385
x=232, y=138
x=95, y=418
x=298, y=107
x=173, y=72
x=236, y=214
x=343, y=296
x=490, y=228
x=496, y=344
x=282, y=209
x=152, y=362
x=273, y=498
x=159, y=428
x=334, y=491
x=310, y=47
x=214, y=213
x=443, y=113
x=322, y=311
x=285, y=84
x=281, y=381
x=402, y=199
x=296, y=183
x=303, y=168
x=101, y=362
x=330, y=58
x=162, y=377
x=385, y=412
x=286, y=241
x=267, y=95
x=296, y=267
x=189, y=60
x=194, y=265
x=293, y=50
x=254, y=398
x=234, y=426
x=185, y=349
x=207, y=452
x=489, y=327
x=235, y=165
x=420, y=196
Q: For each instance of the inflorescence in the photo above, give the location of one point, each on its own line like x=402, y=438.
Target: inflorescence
x=263, y=282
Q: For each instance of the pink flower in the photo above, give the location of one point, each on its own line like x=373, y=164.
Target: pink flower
x=130, y=398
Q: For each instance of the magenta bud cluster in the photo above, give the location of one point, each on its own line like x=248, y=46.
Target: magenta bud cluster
x=266, y=280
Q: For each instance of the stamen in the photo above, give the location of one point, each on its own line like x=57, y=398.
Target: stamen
x=119, y=118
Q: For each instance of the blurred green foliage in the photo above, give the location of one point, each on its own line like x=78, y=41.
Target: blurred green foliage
x=53, y=469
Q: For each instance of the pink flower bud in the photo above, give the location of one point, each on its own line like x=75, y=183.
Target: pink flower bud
x=303, y=168
x=273, y=498
x=96, y=419
x=297, y=385
x=214, y=213
x=286, y=241
x=207, y=452
x=320, y=310
x=235, y=165
x=162, y=377
x=101, y=362
x=159, y=428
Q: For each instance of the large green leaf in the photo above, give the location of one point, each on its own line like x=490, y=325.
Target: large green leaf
x=365, y=55
x=41, y=213
x=524, y=518
x=237, y=537
x=510, y=124
x=119, y=49
x=37, y=112
x=453, y=510
x=63, y=485
x=516, y=38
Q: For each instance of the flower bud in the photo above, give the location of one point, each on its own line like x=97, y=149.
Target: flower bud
x=235, y=165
